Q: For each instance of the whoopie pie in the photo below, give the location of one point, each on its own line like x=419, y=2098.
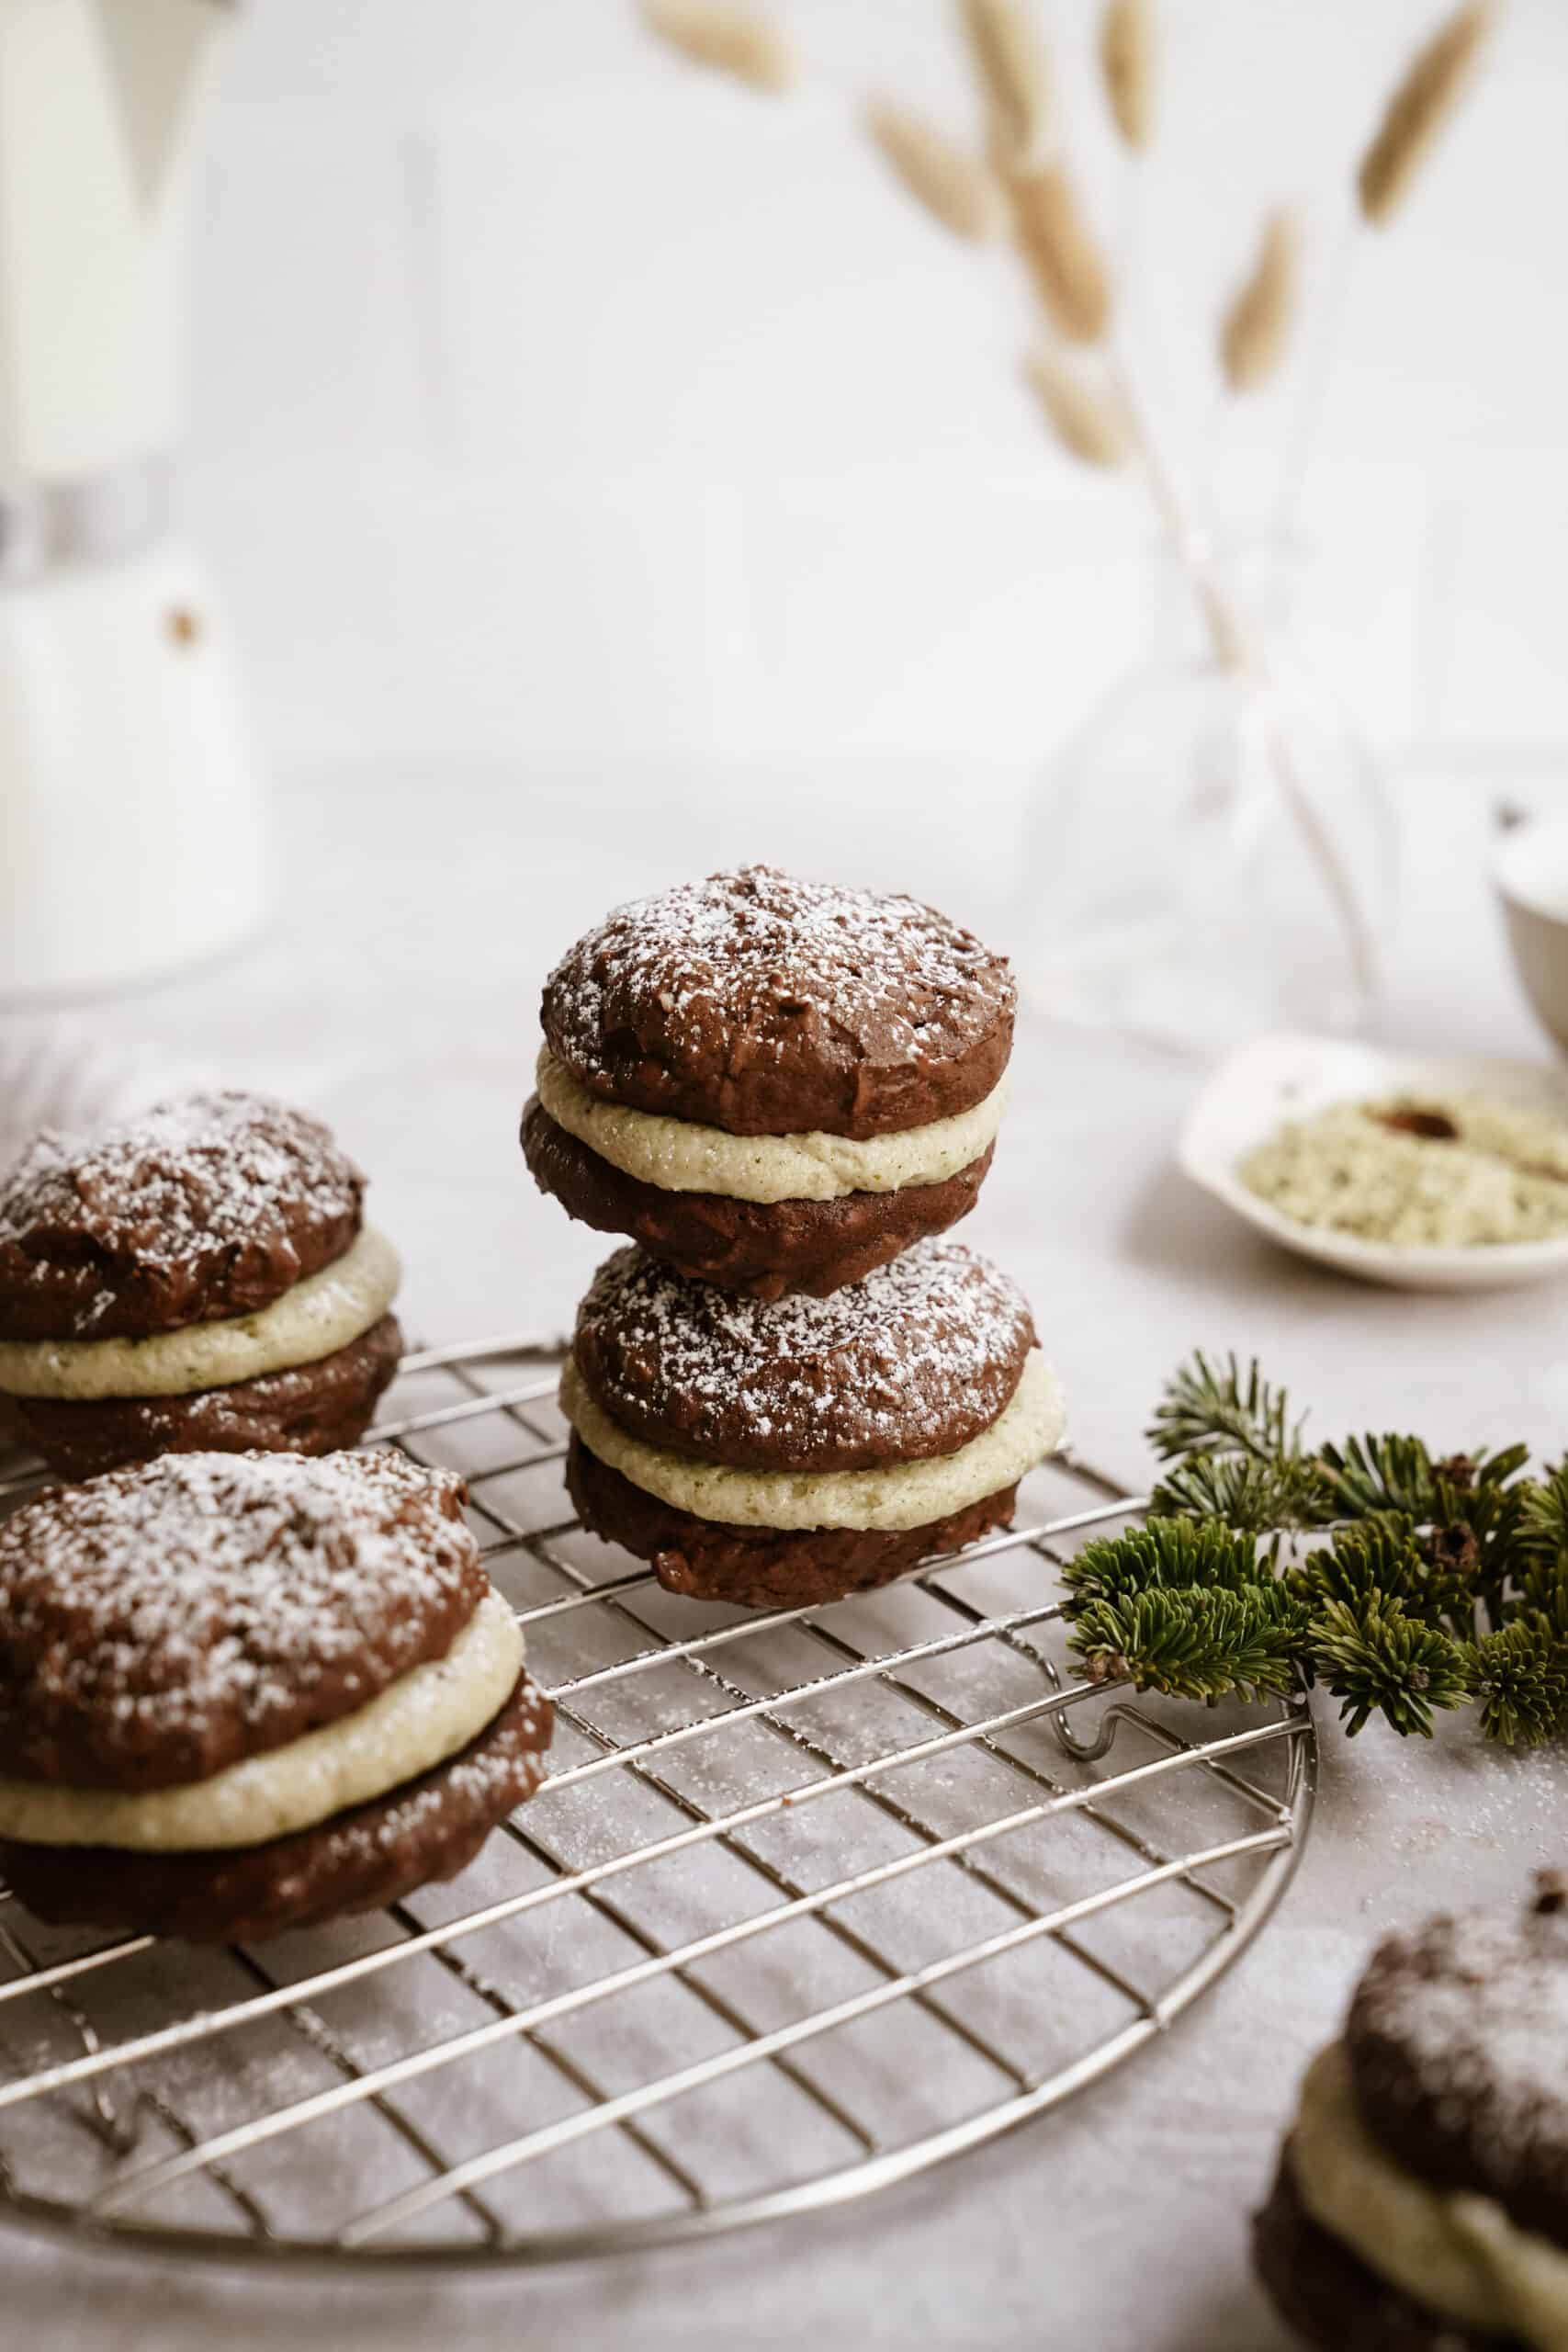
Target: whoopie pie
x=246, y=1693
x=198, y=1280
x=1421, y=2203
x=795, y=1450
x=773, y=1085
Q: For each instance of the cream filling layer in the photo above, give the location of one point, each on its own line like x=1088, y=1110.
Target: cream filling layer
x=680, y=1156
x=898, y=1496
x=425, y=1716
x=312, y=1319
x=1458, y=2253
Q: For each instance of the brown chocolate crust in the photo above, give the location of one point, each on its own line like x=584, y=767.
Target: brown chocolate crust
x=208, y=1205
x=358, y=1860
x=767, y=1249
x=1453, y=2038
x=915, y=1360
x=310, y=1408
x=761, y=1567
x=1327, y=2294
x=766, y=1005
x=160, y=1623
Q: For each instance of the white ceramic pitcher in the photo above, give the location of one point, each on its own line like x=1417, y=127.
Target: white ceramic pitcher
x=132, y=838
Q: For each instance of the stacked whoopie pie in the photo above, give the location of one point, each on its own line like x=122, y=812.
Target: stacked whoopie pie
x=784, y=1092
x=200, y=1279
x=1421, y=2203
x=246, y=1693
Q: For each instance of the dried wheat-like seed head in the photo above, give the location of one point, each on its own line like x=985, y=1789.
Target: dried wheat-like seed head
x=955, y=187
x=1088, y=422
x=733, y=39
x=1256, y=327
x=1127, y=63
x=1063, y=254
x=1430, y=88
x=1014, y=77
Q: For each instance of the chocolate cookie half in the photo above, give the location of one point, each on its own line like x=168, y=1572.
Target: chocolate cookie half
x=1332, y=2299
x=200, y=1278
x=245, y=1693
x=1422, y=2200
x=775, y=1085
x=797, y=1450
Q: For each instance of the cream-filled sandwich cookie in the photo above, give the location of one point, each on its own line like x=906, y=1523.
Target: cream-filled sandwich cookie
x=1422, y=2198
x=774, y=1085
x=199, y=1279
x=795, y=1450
x=245, y=1693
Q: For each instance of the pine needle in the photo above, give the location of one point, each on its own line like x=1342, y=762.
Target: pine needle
x=1256, y=327
x=1127, y=65
x=957, y=189
x=1210, y=1408
x=733, y=40
x=1421, y=103
x=1014, y=77
x=1443, y=1582
x=1520, y=1676
x=1087, y=422
x=1166, y=1555
x=1063, y=253
x=1257, y=1497
x=1378, y=1660
x=1192, y=1645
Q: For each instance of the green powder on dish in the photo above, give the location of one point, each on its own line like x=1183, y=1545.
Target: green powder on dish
x=1462, y=1171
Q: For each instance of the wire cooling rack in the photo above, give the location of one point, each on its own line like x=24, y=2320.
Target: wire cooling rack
x=813, y=1899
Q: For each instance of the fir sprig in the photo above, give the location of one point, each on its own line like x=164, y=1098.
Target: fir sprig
x=1210, y=1408
x=1242, y=1490
x=1377, y=1658
x=1426, y=1584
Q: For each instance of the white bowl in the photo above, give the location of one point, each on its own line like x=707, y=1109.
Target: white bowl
x=1531, y=873
x=1261, y=1085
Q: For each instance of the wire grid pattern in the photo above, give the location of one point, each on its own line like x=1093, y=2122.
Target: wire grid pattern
x=814, y=1898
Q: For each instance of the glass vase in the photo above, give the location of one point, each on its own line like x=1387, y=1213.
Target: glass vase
x=1212, y=853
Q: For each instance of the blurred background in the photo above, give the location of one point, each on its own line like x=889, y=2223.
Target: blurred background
x=608, y=473
x=555, y=404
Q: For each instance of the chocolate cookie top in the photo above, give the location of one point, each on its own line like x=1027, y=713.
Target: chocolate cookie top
x=159, y=1623
x=208, y=1205
x=767, y=1006
x=1458, y=2041
x=914, y=1360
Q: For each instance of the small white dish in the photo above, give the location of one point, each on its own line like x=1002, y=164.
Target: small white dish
x=1273, y=1078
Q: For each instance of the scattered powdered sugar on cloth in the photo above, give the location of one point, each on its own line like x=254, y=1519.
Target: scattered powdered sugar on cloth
x=220, y=1187
x=157, y=1624
x=914, y=1360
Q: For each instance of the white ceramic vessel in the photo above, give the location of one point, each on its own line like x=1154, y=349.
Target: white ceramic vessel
x=1285, y=1077
x=1531, y=870
x=132, y=835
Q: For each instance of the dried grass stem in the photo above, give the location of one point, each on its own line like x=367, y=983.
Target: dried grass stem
x=956, y=188
x=1063, y=254
x=1421, y=103
x=733, y=40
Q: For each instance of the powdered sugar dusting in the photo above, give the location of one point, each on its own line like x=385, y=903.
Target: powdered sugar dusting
x=225, y=1597
x=756, y=966
x=1474, y=2011
x=198, y=1178
x=912, y=1361
x=485, y=1781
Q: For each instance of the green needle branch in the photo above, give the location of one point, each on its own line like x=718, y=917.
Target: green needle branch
x=1404, y=1585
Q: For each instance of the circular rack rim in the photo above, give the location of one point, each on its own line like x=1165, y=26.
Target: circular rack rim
x=1287, y=1721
